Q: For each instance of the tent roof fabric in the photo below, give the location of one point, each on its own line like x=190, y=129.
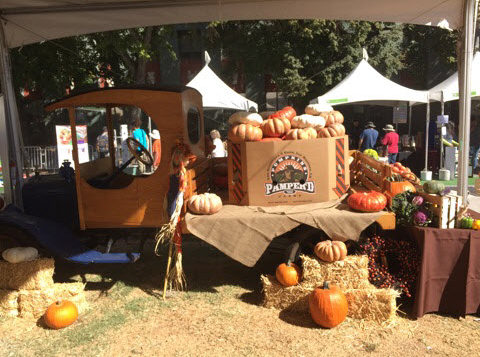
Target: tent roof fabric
x=365, y=84
x=216, y=94
x=449, y=86
x=30, y=21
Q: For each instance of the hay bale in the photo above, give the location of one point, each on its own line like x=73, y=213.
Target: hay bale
x=33, y=303
x=351, y=273
x=8, y=302
x=34, y=275
x=292, y=298
x=373, y=304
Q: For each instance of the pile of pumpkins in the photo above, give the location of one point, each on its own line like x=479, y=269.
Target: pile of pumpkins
x=327, y=304
x=405, y=173
x=319, y=121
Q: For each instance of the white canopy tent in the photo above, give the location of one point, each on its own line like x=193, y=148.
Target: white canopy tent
x=30, y=21
x=216, y=94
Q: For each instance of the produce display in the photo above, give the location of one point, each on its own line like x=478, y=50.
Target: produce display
x=288, y=274
x=371, y=153
x=61, y=314
x=20, y=254
x=301, y=134
x=275, y=127
x=308, y=121
x=331, y=131
x=317, y=109
x=285, y=113
x=330, y=251
x=245, y=132
x=205, y=203
x=328, y=305
x=395, y=188
x=371, y=201
x=245, y=118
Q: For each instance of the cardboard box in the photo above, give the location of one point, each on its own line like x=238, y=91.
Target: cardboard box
x=288, y=172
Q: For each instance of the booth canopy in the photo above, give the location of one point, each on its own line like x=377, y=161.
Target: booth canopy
x=216, y=94
x=29, y=21
x=449, y=87
x=365, y=84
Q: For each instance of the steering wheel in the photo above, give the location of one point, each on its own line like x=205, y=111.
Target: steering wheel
x=139, y=151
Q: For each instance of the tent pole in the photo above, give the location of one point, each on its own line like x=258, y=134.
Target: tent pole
x=427, y=129
x=464, y=78
x=12, y=135
x=409, y=120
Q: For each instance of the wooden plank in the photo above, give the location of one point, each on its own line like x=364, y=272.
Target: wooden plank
x=370, y=185
x=376, y=178
x=111, y=138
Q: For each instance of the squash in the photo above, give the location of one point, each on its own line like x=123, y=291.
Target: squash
x=245, y=118
x=244, y=132
x=288, y=274
x=338, y=117
x=331, y=131
x=301, y=134
x=317, y=109
x=275, y=127
x=433, y=187
x=372, y=201
x=395, y=188
x=20, y=254
x=285, y=113
x=205, y=203
x=328, y=305
x=60, y=314
x=330, y=251
x=308, y=121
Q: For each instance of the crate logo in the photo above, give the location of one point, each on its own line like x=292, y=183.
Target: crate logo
x=289, y=173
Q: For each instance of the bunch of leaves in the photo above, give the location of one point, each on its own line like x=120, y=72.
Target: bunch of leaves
x=405, y=210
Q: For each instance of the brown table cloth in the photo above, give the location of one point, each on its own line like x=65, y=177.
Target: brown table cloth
x=449, y=277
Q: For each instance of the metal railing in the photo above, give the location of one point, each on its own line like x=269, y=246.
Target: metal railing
x=38, y=158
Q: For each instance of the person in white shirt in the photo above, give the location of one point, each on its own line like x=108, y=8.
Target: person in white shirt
x=219, y=150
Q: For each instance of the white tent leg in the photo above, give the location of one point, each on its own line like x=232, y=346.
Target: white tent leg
x=427, y=131
x=12, y=133
x=464, y=79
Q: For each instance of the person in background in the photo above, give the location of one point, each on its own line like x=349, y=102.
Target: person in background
x=102, y=144
x=355, y=133
x=139, y=134
x=156, y=148
x=368, y=137
x=219, y=150
x=390, y=140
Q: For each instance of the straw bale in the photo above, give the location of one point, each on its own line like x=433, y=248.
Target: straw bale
x=8, y=302
x=350, y=273
x=33, y=275
x=378, y=305
x=33, y=303
x=292, y=298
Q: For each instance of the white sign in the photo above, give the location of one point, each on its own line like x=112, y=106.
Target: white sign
x=65, y=146
x=400, y=114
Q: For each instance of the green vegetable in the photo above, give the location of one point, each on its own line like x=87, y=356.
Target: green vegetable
x=371, y=153
x=466, y=222
x=433, y=187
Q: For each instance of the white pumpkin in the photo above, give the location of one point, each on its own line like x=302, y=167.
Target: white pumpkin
x=308, y=121
x=205, y=203
x=20, y=254
x=316, y=109
x=245, y=118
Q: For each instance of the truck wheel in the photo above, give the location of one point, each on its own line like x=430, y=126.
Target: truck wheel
x=11, y=236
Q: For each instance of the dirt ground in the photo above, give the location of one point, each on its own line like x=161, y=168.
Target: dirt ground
x=219, y=315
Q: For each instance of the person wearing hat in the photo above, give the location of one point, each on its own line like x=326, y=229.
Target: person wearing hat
x=368, y=137
x=390, y=140
x=156, y=148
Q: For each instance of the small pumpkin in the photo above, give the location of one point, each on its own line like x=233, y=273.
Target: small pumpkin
x=61, y=314
x=330, y=251
x=254, y=119
x=328, y=305
x=332, y=130
x=308, y=121
x=476, y=224
x=318, y=108
x=205, y=203
x=338, y=117
x=288, y=274
x=20, y=254
x=285, y=113
x=410, y=176
x=301, y=134
x=275, y=127
x=433, y=187
x=395, y=188
x=371, y=201
x=245, y=132
x=329, y=118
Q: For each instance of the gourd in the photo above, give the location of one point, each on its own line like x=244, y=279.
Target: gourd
x=308, y=121
x=245, y=118
x=372, y=201
x=205, y=203
x=328, y=305
x=20, y=254
x=330, y=251
x=433, y=187
x=288, y=274
x=285, y=113
x=275, y=127
x=398, y=187
x=301, y=134
x=244, y=132
x=317, y=109
x=332, y=117
x=332, y=130
x=60, y=314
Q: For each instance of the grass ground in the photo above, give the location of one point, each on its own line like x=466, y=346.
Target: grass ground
x=220, y=315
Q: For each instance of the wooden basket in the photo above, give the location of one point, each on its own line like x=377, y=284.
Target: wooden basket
x=444, y=208
x=368, y=172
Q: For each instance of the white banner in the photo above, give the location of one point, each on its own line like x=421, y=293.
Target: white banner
x=65, y=147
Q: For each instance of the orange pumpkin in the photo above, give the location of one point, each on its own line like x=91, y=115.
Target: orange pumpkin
x=329, y=118
x=330, y=251
x=338, y=117
x=372, y=201
x=205, y=203
x=275, y=127
x=288, y=274
x=328, y=305
x=395, y=188
x=244, y=132
x=331, y=131
x=285, y=113
x=301, y=134
x=61, y=314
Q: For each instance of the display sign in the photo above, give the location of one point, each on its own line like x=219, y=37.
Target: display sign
x=400, y=114
x=65, y=146
x=442, y=119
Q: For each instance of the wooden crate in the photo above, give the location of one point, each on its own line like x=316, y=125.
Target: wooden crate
x=368, y=172
x=444, y=208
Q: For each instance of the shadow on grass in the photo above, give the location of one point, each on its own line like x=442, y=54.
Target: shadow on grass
x=297, y=319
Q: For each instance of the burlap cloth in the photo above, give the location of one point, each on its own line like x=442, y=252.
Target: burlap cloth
x=244, y=232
